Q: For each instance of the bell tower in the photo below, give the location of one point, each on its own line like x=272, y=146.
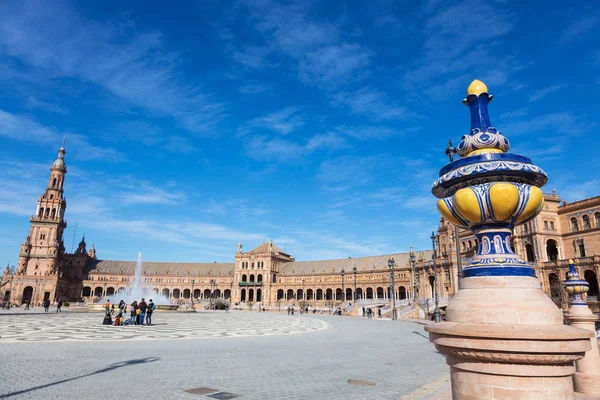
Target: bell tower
x=44, y=244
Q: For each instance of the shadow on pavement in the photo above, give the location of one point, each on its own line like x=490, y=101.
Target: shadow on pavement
x=109, y=368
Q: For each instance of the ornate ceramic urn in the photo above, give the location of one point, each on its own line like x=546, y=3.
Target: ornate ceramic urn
x=503, y=338
x=587, y=378
x=489, y=191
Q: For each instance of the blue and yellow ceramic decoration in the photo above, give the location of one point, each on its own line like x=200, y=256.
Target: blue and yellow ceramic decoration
x=489, y=191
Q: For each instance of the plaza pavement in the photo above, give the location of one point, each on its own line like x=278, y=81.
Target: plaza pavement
x=252, y=355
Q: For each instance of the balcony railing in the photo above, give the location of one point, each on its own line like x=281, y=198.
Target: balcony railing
x=565, y=263
x=259, y=283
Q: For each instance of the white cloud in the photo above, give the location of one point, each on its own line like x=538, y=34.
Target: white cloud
x=372, y=103
x=541, y=93
x=55, y=42
x=283, y=121
x=22, y=128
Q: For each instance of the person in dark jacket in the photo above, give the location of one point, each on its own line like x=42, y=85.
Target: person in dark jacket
x=149, y=311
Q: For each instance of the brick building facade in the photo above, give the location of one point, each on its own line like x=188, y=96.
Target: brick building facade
x=269, y=276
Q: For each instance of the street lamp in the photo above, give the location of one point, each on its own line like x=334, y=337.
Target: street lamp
x=413, y=262
x=230, y=293
x=343, y=294
x=192, y=295
x=436, y=310
x=391, y=263
x=212, y=284
x=354, y=271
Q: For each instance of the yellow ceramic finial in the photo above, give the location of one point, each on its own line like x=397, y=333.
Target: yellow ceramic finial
x=476, y=87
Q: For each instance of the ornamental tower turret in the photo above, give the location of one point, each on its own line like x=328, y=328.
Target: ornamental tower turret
x=47, y=225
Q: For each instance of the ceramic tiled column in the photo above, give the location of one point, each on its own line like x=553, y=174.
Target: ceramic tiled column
x=503, y=338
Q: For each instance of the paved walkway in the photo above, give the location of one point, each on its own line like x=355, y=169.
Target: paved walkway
x=86, y=327
x=261, y=356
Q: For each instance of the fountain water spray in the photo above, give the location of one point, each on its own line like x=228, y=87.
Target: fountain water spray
x=137, y=290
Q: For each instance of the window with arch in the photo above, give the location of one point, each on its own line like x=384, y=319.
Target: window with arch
x=597, y=217
x=54, y=182
x=546, y=225
x=529, y=252
x=574, y=225
x=552, y=250
x=586, y=222
x=464, y=246
x=551, y=225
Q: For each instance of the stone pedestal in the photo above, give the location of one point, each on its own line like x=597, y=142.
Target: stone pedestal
x=587, y=378
x=505, y=339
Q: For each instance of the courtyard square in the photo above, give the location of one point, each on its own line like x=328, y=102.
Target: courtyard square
x=199, y=355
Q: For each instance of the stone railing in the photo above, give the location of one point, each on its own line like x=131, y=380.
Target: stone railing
x=259, y=283
x=578, y=261
x=406, y=310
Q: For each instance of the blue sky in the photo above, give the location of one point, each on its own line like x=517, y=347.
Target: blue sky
x=320, y=125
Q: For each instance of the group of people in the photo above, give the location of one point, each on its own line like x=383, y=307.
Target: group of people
x=368, y=312
x=139, y=313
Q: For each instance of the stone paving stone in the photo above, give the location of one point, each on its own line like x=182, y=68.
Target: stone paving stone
x=73, y=356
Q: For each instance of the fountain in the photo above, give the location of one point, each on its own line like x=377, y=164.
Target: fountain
x=135, y=292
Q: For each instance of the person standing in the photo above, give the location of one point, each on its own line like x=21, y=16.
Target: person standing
x=143, y=308
x=132, y=313
x=151, y=308
x=59, y=306
x=107, y=307
x=27, y=304
x=46, y=305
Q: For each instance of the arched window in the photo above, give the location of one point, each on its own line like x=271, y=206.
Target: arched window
x=380, y=293
x=402, y=292
x=54, y=182
x=470, y=245
x=274, y=280
x=299, y=294
x=41, y=213
x=280, y=294
x=530, y=253
x=309, y=294
x=259, y=278
x=53, y=213
x=552, y=250
x=243, y=296
x=290, y=294
x=319, y=294
x=586, y=222
x=252, y=266
x=592, y=279
x=369, y=293
x=244, y=278
x=597, y=217
x=329, y=294
x=574, y=225
x=432, y=284
x=252, y=278
x=348, y=294
x=464, y=246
